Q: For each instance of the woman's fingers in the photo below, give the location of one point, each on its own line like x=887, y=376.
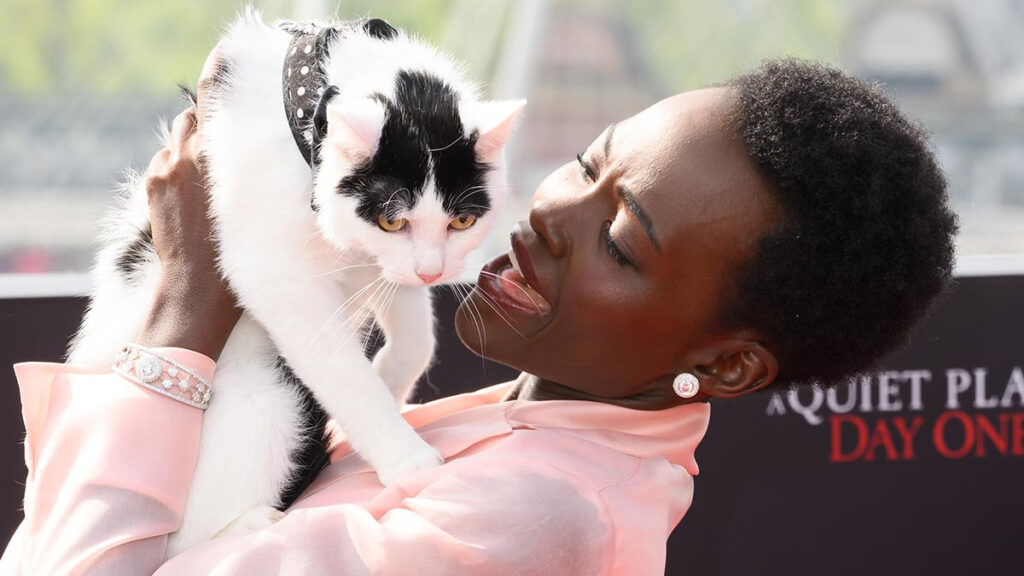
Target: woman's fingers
x=158, y=164
x=178, y=196
x=207, y=77
x=176, y=178
x=182, y=130
x=157, y=174
x=168, y=162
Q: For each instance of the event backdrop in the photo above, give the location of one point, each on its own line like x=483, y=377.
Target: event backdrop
x=916, y=469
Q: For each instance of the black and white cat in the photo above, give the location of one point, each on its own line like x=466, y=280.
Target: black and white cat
x=407, y=176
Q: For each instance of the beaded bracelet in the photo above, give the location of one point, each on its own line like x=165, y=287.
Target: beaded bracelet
x=162, y=375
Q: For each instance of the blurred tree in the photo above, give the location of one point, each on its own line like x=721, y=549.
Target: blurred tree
x=138, y=47
x=27, y=54
x=694, y=43
x=424, y=18
x=106, y=46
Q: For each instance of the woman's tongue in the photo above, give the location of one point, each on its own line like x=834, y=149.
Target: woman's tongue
x=515, y=286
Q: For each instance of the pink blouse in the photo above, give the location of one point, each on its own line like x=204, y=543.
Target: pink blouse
x=546, y=488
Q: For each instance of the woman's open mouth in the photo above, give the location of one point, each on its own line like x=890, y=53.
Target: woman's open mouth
x=503, y=280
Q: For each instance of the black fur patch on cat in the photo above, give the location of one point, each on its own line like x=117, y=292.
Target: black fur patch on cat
x=138, y=252
x=377, y=28
x=320, y=117
x=311, y=457
x=422, y=128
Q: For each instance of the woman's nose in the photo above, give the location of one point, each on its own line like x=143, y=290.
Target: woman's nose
x=551, y=217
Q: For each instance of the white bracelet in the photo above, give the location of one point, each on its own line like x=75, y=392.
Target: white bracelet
x=162, y=375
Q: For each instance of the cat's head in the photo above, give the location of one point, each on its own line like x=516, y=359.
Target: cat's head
x=415, y=181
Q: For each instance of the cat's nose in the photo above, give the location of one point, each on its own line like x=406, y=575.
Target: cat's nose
x=429, y=278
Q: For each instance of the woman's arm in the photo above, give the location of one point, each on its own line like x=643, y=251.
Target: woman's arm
x=109, y=462
x=512, y=516
x=193, y=307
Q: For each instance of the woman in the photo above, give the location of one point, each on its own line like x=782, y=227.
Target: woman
x=788, y=227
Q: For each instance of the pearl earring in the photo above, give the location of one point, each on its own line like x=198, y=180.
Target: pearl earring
x=686, y=385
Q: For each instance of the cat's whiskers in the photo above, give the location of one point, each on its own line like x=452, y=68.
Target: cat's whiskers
x=341, y=254
x=341, y=308
x=465, y=193
x=386, y=307
x=497, y=310
x=468, y=206
x=363, y=314
x=457, y=292
x=524, y=291
x=376, y=306
x=382, y=311
x=480, y=317
x=342, y=269
x=463, y=295
x=466, y=293
x=309, y=237
x=353, y=323
x=454, y=142
x=384, y=206
x=338, y=313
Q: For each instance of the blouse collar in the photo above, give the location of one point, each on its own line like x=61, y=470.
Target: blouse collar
x=673, y=433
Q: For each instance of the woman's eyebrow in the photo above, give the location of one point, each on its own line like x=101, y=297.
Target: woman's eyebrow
x=631, y=203
x=628, y=198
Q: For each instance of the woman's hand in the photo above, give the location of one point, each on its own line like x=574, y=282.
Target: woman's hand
x=193, y=307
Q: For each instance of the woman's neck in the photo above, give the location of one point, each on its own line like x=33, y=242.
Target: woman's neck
x=533, y=388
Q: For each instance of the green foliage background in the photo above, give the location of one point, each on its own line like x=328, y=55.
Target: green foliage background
x=141, y=47
x=694, y=43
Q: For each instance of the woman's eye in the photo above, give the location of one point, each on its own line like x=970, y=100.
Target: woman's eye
x=613, y=248
x=588, y=172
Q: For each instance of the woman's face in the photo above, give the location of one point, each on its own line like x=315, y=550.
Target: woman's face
x=626, y=255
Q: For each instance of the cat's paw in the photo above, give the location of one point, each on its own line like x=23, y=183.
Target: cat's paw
x=255, y=519
x=423, y=459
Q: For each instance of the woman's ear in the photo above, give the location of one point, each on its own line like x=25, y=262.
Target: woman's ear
x=735, y=367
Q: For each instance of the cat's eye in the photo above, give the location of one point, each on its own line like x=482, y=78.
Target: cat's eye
x=462, y=221
x=388, y=225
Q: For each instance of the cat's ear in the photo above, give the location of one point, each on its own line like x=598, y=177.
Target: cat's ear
x=354, y=127
x=494, y=121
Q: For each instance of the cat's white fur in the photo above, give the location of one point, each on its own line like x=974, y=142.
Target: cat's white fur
x=308, y=281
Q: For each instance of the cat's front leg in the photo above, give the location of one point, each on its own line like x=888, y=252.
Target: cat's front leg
x=408, y=325
x=305, y=320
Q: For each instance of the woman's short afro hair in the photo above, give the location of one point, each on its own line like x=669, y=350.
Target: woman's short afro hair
x=865, y=244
